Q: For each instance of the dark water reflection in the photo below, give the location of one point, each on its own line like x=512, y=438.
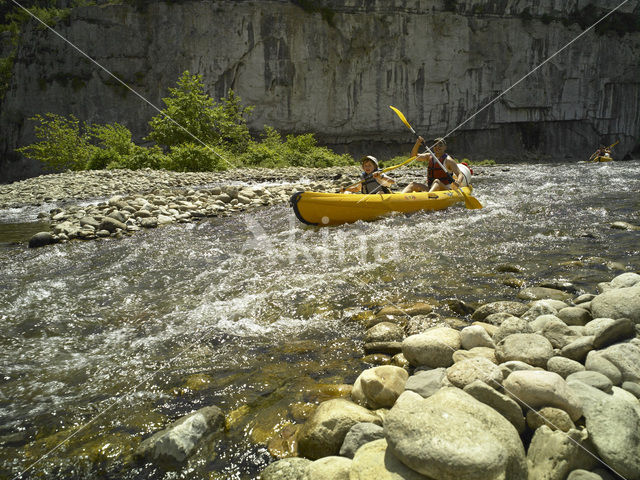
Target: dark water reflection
x=248, y=313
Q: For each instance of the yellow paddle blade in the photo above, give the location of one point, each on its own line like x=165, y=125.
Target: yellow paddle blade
x=472, y=203
x=402, y=117
x=614, y=144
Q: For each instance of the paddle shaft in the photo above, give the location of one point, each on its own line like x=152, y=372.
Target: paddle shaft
x=469, y=201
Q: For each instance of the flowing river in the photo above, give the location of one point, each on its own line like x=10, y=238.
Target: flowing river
x=108, y=341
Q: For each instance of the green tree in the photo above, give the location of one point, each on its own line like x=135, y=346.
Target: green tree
x=192, y=116
x=63, y=143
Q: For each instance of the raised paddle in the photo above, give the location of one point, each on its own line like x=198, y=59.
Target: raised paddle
x=469, y=201
x=384, y=170
x=613, y=145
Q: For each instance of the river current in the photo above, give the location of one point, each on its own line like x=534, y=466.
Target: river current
x=109, y=341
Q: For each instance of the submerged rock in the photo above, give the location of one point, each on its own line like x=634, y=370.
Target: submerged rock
x=179, y=440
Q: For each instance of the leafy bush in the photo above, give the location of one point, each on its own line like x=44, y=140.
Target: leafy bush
x=191, y=157
x=63, y=143
x=296, y=151
x=141, y=157
x=191, y=116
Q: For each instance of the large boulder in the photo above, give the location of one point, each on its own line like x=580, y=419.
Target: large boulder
x=613, y=424
x=509, y=327
x=467, y=371
x=537, y=389
x=328, y=468
x=426, y=382
x=41, y=239
x=178, y=441
x=626, y=358
x=374, y=461
x=501, y=403
x=553, y=454
x=379, y=387
x=575, y=315
x=530, y=348
x=286, y=469
x=618, y=303
x=358, y=435
x=513, y=308
x=433, y=348
x=543, y=293
x=475, y=336
x=451, y=435
x=323, y=434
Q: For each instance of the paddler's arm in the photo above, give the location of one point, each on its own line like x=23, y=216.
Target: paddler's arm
x=416, y=147
x=451, y=165
x=383, y=179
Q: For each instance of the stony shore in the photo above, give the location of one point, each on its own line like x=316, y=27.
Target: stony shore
x=127, y=201
x=544, y=387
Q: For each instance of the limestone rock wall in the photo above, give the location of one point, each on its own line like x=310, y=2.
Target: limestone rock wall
x=335, y=70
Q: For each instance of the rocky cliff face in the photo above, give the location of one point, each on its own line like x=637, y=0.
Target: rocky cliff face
x=335, y=70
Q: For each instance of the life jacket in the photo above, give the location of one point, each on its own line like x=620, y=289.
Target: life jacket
x=434, y=171
x=371, y=185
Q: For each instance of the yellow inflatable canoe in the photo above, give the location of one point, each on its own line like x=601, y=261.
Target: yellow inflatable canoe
x=316, y=208
x=602, y=159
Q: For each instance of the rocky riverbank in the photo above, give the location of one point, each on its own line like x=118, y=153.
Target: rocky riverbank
x=126, y=201
x=543, y=388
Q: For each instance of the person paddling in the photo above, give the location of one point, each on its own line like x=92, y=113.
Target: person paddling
x=600, y=152
x=437, y=178
x=373, y=180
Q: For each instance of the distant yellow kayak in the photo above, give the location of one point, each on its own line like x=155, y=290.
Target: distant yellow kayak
x=602, y=159
x=317, y=208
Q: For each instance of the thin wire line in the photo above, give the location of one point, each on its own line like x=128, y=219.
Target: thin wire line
x=536, y=68
x=95, y=62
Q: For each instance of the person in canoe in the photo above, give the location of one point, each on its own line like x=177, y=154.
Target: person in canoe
x=437, y=178
x=600, y=152
x=372, y=179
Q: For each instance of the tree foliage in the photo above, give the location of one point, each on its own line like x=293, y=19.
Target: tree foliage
x=193, y=117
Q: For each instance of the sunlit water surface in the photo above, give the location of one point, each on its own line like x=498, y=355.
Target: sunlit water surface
x=111, y=340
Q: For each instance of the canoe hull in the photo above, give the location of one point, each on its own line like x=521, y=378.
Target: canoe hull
x=603, y=159
x=317, y=208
